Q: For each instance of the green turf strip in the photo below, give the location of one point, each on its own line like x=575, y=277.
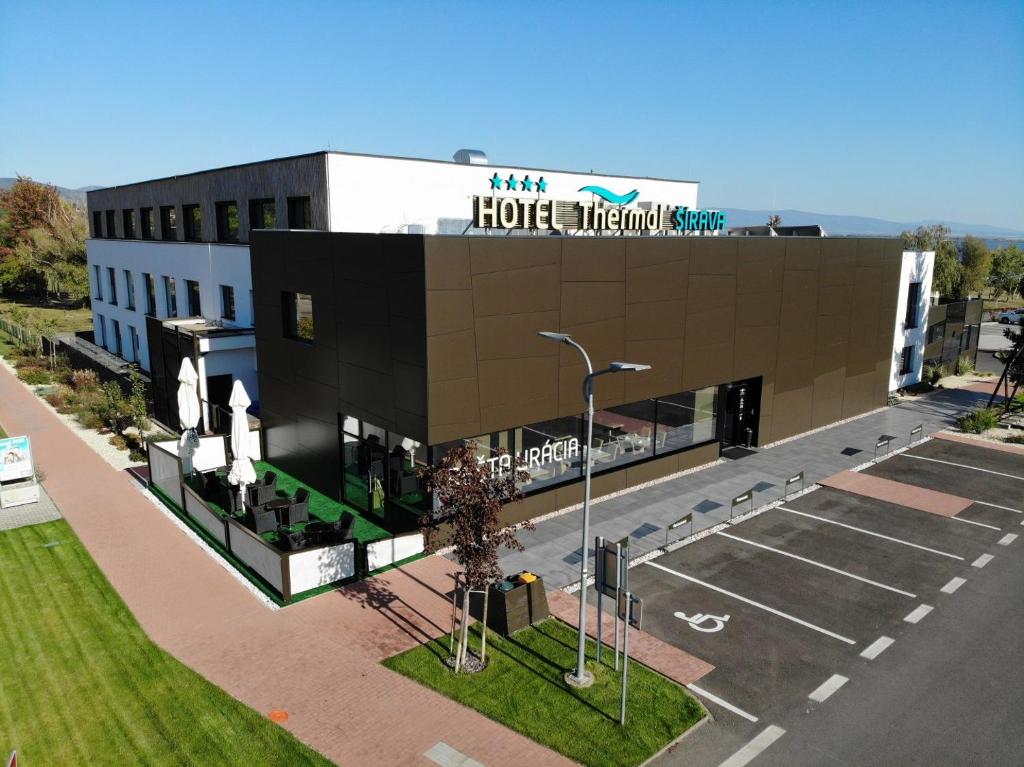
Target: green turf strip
x=80, y=683
x=523, y=688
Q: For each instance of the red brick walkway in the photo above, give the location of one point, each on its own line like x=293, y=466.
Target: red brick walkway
x=649, y=650
x=980, y=442
x=911, y=496
x=317, y=660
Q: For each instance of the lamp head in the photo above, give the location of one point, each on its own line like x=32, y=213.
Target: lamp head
x=627, y=367
x=561, y=337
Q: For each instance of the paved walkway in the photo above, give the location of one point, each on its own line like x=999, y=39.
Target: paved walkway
x=42, y=510
x=911, y=496
x=317, y=660
x=553, y=549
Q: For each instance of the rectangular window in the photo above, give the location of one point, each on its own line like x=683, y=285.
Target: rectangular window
x=115, y=337
x=170, y=297
x=623, y=434
x=97, y=224
x=150, y=284
x=101, y=331
x=227, y=221
x=129, y=286
x=686, y=419
x=299, y=213
x=298, y=316
x=936, y=332
x=906, y=360
x=168, y=223
x=128, y=221
x=192, y=291
x=262, y=214
x=913, y=310
x=97, y=286
x=146, y=223
x=111, y=229
x=112, y=282
x=227, y=302
x=135, y=343
x=193, y=222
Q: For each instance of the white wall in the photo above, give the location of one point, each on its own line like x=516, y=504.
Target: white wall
x=916, y=267
x=383, y=194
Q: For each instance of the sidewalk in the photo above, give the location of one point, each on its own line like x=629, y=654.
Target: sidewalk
x=317, y=660
x=553, y=549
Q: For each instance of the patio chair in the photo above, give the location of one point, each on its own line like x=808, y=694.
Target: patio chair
x=293, y=540
x=262, y=491
x=299, y=509
x=263, y=520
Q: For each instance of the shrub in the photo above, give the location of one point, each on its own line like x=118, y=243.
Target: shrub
x=118, y=441
x=964, y=365
x=84, y=379
x=90, y=419
x=58, y=397
x=978, y=421
x=137, y=456
x=932, y=374
x=34, y=375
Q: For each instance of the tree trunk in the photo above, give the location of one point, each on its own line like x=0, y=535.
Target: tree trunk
x=460, y=656
x=483, y=629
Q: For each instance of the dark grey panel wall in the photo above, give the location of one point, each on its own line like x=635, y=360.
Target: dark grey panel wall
x=368, y=357
x=278, y=179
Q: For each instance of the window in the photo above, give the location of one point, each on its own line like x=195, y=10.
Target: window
x=227, y=302
x=623, y=434
x=128, y=220
x=913, y=310
x=112, y=281
x=168, y=223
x=227, y=221
x=97, y=224
x=135, y=343
x=936, y=331
x=97, y=286
x=129, y=286
x=170, y=297
x=101, y=329
x=687, y=419
x=298, y=316
x=298, y=213
x=192, y=291
x=111, y=229
x=146, y=222
x=262, y=214
x=115, y=337
x=906, y=360
x=150, y=284
x=193, y=222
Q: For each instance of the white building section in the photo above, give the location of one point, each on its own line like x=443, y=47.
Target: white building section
x=911, y=319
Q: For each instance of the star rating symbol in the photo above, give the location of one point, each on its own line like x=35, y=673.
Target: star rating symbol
x=542, y=185
x=512, y=183
x=495, y=181
x=528, y=184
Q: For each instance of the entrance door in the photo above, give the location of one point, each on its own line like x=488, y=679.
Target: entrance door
x=739, y=412
x=218, y=391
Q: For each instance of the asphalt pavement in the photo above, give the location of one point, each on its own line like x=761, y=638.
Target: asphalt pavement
x=992, y=338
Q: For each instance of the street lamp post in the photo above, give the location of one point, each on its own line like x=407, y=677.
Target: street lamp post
x=581, y=677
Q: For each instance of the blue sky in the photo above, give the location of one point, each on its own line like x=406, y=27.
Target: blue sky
x=900, y=110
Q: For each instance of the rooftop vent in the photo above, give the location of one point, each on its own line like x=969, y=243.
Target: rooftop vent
x=470, y=157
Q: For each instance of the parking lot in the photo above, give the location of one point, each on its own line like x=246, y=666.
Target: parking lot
x=793, y=603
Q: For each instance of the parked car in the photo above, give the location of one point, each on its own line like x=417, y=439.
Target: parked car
x=1011, y=317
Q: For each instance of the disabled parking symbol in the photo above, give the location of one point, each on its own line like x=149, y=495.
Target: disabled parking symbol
x=696, y=620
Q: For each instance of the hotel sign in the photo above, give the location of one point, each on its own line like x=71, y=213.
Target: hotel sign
x=605, y=214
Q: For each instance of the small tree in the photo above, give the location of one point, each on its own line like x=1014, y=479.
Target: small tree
x=469, y=495
x=774, y=220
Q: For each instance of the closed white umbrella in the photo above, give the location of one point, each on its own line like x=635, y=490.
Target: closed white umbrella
x=188, y=413
x=242, y=473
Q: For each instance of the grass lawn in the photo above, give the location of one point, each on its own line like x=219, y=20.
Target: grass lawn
x=45, y=318
x=80, y=683
x=522, y=687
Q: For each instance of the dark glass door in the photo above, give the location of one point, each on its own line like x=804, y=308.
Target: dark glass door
x=739, y=417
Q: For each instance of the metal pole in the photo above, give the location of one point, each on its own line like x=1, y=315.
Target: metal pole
x=618, y=588
x=581, y=675
x=625, y=658
x=599, y=583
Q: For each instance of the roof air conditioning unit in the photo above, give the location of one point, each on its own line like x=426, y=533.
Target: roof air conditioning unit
x=470, y=157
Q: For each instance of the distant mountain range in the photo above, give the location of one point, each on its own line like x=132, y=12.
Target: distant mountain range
x=840, y=225
x=74, y=196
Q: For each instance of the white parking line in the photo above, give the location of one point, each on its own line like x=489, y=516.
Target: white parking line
x=751, y=602
x=818, y=564
x=829, y=686
x=1007, y=539
x=983, y=560
x=876, y=648
x=953, y=585
x=918, y=613
x=963, y=466
x=997, y=506
x=749, y=752
x=724, y=704
x=871, y=532
x=979, y=524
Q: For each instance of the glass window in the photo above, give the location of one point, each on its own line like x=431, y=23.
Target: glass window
x=227, y=221
x=128, y=219
x=687, y=419
x=227, y=302
x=150, y=282
x=135, y=343
x=298, y=316
x=97, y=224
x=129, y=285
x=146, y=222
x=913, y=310
x=906, y=360
x=193, y=222
x=112, y=282
x=195, y=308
x=170, y=297
x=115, y=337
x=168, y=222
x=262, y=214
x=623, y=434
x=101, y=328
x=936, y=331
x=111, y=229
x=97, y=286
x=299, y=213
